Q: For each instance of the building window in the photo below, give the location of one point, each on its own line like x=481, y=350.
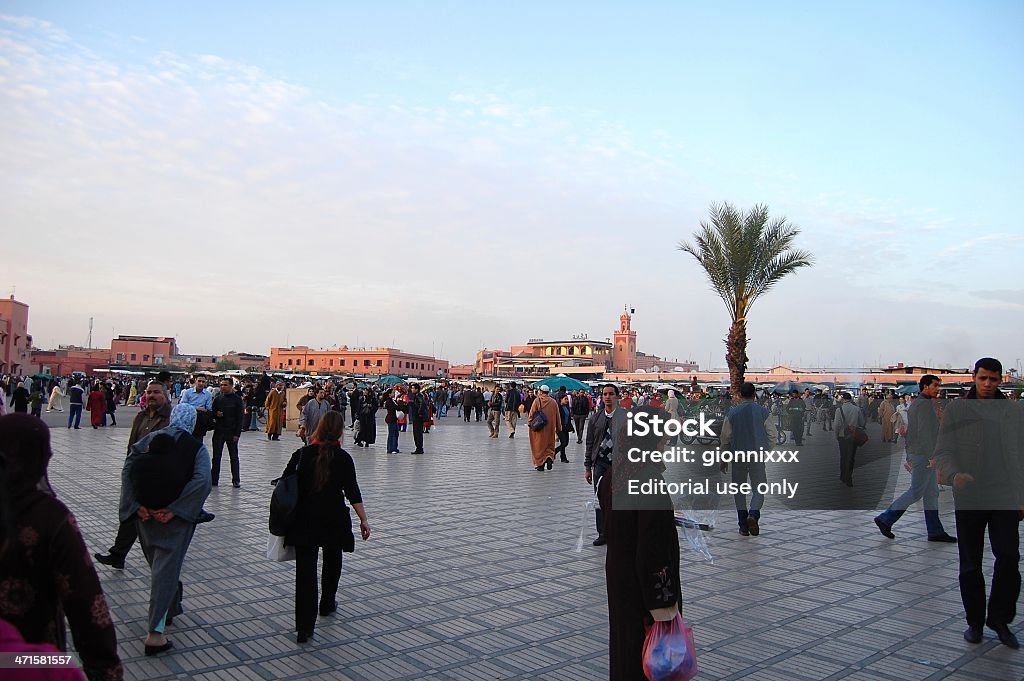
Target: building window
x=158, y=359
x=133, y=356
x=332, y=362
x=366, y=362
x=380, y=362
x=289, y=362
x=145, y=358
x=342, y=362
x=120, y=357
x=309, y=362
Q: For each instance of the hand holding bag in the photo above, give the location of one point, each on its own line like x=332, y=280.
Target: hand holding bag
x=669, y=653
x=277, y=551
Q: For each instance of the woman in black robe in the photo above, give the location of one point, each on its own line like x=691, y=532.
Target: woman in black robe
x=642, y=562
x=368, y=406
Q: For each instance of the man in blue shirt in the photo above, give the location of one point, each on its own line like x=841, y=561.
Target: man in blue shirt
x=748, y=427
x=198, y=397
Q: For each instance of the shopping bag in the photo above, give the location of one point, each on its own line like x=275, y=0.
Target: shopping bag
x=277, y=551
x=669, y=653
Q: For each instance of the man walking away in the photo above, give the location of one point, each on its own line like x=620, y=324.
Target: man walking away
x=748, y=427
x=76, y=398
x=513, y=400
x=848, y=419
x=419, y=412
x=580, y=411
x=494, y=411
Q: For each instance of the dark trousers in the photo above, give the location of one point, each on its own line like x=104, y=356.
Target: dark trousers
x=467, y=410
x=74, y=414
x=563, y=442
x=847, y=452
x=305, y=584
x=127, y=533
x=579, y=422
x=1004, y=539
x=601, y=466
x=219, y=440
x=417, y=435
x=479, y=412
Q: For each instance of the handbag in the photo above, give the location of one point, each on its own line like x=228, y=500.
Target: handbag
x=669, y=653
x=277, y=551
x=539, y=420
x=859, y=435
x=284, y=501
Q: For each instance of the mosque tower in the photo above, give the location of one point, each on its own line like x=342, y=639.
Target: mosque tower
x=624, y=349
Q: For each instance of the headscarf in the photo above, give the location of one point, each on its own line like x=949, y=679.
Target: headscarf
x=183, y=417
x=25, y=449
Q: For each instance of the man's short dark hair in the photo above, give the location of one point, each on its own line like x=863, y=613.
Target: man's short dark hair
x=747, y=389
x=612, y=386
x=927, y=380
x=163, y=376
x=989, y=364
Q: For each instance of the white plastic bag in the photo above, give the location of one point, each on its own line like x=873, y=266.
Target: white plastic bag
x=277, y=551
x=592, y=504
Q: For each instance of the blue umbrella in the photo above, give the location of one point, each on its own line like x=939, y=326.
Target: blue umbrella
x=556, y=382
x=390, y=380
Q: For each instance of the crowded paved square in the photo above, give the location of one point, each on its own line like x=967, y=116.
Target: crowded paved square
x=472, y=573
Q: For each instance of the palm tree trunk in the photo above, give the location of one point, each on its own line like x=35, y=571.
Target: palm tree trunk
x=736, y=355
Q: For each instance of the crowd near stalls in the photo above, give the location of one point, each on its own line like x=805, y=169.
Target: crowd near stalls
x=170, y=415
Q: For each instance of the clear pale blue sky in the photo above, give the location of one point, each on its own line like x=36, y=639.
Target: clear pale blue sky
x=900, y=123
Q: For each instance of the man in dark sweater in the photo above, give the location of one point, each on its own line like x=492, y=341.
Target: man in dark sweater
x=228, y=414
x=922, y=430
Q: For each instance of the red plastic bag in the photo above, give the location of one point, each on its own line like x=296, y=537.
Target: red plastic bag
x=669, y=653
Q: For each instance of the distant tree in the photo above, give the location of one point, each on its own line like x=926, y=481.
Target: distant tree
x=744, y=255
x=226, y=365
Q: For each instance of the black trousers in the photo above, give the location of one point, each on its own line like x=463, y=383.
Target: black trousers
x=601, y=466
x=305, y=584
x=847, y=452
x=1004, y=538
x=479, y=411
x=467, y=410
x=219, y=440
x=127, y=533
x=417, y=435
x=563, y=442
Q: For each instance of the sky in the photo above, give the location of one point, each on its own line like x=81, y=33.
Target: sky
x=443, y=177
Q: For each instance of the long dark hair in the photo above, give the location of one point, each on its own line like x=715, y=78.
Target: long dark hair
x=328, y=437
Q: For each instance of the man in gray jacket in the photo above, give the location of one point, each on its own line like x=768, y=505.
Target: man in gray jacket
x=603, y=430
x=849, y=418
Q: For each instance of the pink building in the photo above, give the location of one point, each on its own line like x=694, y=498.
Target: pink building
x=15, y=342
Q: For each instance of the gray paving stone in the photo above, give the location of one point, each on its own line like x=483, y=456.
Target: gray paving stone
x=471, y=574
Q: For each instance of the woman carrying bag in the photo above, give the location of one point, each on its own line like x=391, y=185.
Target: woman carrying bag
x=326, y=477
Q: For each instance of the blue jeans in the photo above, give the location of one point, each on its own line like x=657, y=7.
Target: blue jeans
x=756, y=473
x=75, y=414
x=254, y=424
x=922, y=484
x=392, y=437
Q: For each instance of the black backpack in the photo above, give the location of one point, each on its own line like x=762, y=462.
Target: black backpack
x=160, y=474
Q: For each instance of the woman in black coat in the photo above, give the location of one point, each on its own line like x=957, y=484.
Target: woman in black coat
x=642, y=562
x=327, y=477
x=367, y=433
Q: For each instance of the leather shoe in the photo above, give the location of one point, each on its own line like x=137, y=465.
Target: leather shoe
x=744, y=531
x=327, y=609
x=752, y=526
x=600, y=541
x=156, y=650
x=949, y=539
x=886, y=530
x=204, y=517
x=109, y=559
x=1006, y=636
x=303, y=636
x=973, y=635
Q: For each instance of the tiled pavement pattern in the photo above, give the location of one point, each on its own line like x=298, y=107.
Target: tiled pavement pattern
x=471, y=573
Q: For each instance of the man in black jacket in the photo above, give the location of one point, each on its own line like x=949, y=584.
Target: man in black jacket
x=512, y=402
x=419, y=411
x=980, y=453
x=228, y=414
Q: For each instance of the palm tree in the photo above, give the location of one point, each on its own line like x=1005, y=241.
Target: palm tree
x=744, y=255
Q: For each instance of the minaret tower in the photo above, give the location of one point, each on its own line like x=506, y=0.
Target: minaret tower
x=624, y=349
